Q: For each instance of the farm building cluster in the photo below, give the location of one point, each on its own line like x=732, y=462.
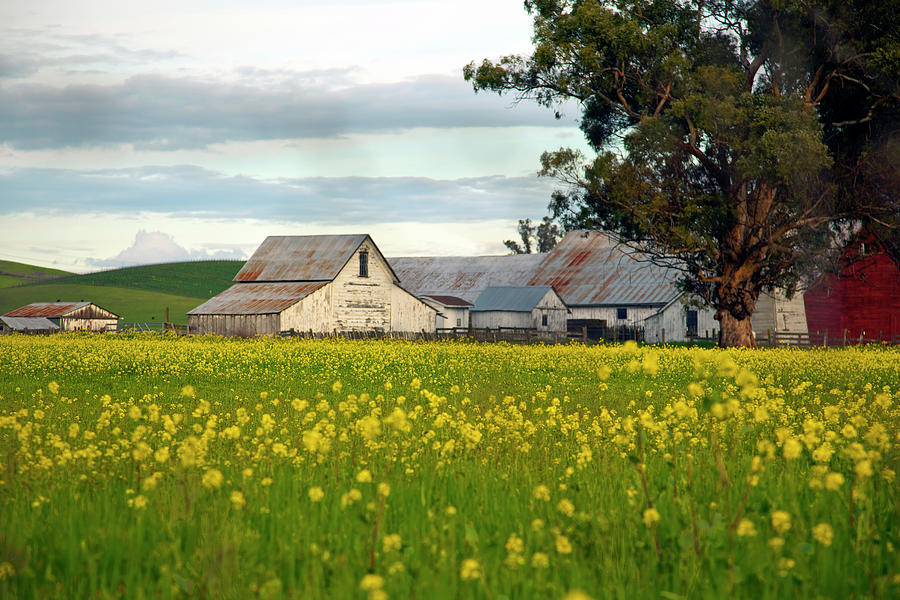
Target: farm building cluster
x=587, y=285
x=343, y=283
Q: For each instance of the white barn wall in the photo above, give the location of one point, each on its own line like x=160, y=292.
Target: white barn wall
x=493, y=319
x=312, y=313
x=636, y=314
x=235, y=325
x=552, y=306
x=409, y=314
x=673, y=319
x=362, y=303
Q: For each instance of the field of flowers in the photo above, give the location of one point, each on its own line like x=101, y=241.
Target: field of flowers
x=167, y=467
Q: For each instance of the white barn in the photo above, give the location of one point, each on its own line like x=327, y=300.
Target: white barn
x=452, y=312
x=319, y=284
x=521, y=307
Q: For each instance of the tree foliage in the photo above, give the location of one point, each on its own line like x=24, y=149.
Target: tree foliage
x=541, y=237
x=733, y=137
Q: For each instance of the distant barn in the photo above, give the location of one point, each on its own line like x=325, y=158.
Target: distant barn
x=60, y=316
x=452, y=312
x=522, y=307
x=318, y=283
x=863, y=299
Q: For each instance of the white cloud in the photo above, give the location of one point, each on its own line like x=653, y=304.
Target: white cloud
x=157, y=247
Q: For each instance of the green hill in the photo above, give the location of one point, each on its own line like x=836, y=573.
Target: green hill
x=14, y=273
x=200, y=279
x=137, y=294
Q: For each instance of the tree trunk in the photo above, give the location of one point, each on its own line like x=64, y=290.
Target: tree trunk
x=733, y=331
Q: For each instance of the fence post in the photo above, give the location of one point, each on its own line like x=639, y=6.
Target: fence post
x=584, y=334
x=663, y=336
x=825, y=340
x=769, y=336
x=844, y=343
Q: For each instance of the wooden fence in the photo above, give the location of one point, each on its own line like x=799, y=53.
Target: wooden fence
x=825, y=339
x=501, y=334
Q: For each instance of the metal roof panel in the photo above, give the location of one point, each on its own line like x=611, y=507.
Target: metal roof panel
x=520, y=298
x=300, y=258
x=257, y=298
x=46, y=309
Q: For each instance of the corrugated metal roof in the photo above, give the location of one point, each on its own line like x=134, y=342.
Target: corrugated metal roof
x=300, y=257
x=29, y=323
x=448, y=300
x=519, y=298
x=587, y=268
x=463, y=276
x=46, y=309
x=256, y=298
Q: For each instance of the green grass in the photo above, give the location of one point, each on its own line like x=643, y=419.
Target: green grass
x=137, y=294
x=199, y=279
x=15, y=273
x=132, y=305
x=156, y=466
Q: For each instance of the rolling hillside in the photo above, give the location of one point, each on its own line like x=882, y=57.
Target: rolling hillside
x=14, y=273
x=137, y=294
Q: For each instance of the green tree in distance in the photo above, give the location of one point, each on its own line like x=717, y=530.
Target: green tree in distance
x=541, y=236
x=734, y=139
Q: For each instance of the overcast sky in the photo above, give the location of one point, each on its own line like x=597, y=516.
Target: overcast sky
x=148, y=132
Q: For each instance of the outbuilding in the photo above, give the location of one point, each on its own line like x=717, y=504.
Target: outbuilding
x=60, y=316
x=520, y=307
x=316, y=283
x=452, y=312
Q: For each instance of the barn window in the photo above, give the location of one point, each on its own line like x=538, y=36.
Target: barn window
x=363, y=264
x=544, y=319
x=621, y=313
x=459, y=322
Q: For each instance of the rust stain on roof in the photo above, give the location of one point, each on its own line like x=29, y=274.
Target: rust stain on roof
x=257, y=298
x=587, y=268
x=300, y=258
x=46, y=309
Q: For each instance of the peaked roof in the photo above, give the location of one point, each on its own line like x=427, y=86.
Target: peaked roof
x=588, y=268
x=521, y=298
x=46, y=309
x=29, y=323
x=448, y=300
x=300, y=258
x=463, y=276
x=257, y=298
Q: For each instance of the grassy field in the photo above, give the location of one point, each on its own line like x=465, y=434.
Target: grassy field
x=200, y=279
x=165, y=467
x=130, y=304
x=137, y=294
x=14, y=273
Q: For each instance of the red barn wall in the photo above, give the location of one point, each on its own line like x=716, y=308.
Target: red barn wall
x=864, y=298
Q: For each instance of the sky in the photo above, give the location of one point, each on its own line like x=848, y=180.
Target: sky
x=148, y=132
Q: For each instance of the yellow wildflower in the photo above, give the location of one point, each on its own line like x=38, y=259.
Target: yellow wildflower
x=781, y=521
x=541, y=492
x=651, y=517
x=212, y=479
x=746, y=528
x=470, y=569
x=563, y=545
x=237, y=500
x=539, y=560
x=316, y=493
x=823, y=533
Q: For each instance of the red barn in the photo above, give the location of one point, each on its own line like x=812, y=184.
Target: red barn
x=863, y=299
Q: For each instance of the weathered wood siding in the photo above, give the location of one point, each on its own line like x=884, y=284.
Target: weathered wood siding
x=362, y=303
x=235, y=325
x=312, y=313
x=90, y=317
x=557, y=315
x=674, y=320
x=408, y=313
x=492, y=319
x=774, y=312
x=636, y=315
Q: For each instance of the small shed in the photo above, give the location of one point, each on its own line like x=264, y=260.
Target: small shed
x=678, y=321
x=523, y=307
x=452, y=312
x=318, y=283
x=27, y=325
x=64, y=316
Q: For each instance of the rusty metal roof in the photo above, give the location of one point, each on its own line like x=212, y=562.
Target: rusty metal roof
x=448, y=300
x=588, y=268
x=257, y=298
x=29, y=323
x=300, y=257
x=463, y=276
x=46, y=309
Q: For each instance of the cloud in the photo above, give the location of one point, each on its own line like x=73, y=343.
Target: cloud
x=151, y=247
x=166, y=113
x=189, y=190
